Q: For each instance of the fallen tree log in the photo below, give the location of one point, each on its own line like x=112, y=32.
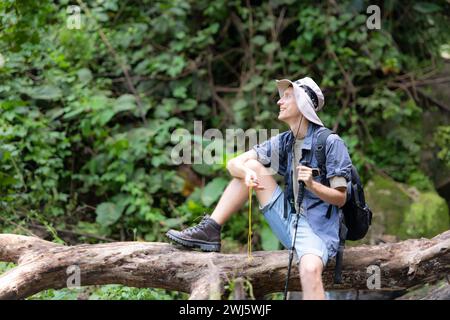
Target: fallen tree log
x=43, y=265
x=437, y=291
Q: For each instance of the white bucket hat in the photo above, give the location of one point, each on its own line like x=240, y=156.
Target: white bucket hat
x=308, y=96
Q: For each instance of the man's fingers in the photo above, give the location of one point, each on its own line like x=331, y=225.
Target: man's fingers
x=304, y=174
x=254, y=179
x=253, y=184
x=259, y=187
x=304, y=168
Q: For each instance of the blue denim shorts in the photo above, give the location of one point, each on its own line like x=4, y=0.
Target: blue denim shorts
x=307, y=242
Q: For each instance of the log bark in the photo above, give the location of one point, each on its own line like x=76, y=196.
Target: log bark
x=43, y=265
x=438, y=291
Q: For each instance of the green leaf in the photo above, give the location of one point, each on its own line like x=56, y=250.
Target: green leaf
x=213, y=190
x=180, y=92
x=253, y=83
x=98, y=102
x=424, y=7
x=259, y=40
x=239, y=105
x=203, y=169
x=188, y=105
x=124, y=103
x=84, y=75
x=104, y=117
x=108, y=213
x=176, y=66
x=270, y=47
x=46, y=92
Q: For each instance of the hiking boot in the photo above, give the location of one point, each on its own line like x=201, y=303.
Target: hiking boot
x=205, y=235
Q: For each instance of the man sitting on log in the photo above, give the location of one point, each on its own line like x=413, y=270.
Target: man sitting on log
x=290, y=154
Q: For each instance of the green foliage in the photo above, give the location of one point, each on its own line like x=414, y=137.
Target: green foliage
x=268, y=239
x=390, y=212
x=119, y=292
x=427, y=217
x=108, y=213
x=86, y=124
x=422, y=182
x=213, y=190
x=405, y=212
x=108, y=292
x=246, y=287
x=442, y=140
x=5, y=266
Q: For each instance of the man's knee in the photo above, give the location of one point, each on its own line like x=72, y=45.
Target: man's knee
x=310, y=267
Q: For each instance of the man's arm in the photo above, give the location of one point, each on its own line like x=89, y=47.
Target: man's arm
x=236, y=166
x=338, y=167
x=238, y=169
x=335, y=196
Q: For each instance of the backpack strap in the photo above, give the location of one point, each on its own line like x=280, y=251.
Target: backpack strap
x=287, y=184
x=321, y=157
x=330, y=207
x=320, y=150
x=340, y=254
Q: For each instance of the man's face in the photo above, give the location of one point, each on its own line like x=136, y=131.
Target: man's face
x=288, y=106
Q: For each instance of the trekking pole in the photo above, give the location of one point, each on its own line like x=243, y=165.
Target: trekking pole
x=301, y=192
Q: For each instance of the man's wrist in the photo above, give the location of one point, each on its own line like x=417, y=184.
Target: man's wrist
x=313, y=187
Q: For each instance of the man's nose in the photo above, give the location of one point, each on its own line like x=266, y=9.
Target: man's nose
x=280, y=102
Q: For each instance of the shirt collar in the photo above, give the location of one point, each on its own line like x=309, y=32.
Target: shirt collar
x=309, y=135
x=307, y=142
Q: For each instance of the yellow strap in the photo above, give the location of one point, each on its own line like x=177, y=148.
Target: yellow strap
x=249, y=239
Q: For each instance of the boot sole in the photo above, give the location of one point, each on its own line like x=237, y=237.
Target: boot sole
x=204, y=246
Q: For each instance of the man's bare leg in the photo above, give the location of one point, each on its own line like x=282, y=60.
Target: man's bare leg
x=236, y=193
x=311, y=268
x=207, y=234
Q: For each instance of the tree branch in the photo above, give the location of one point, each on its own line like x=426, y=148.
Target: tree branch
x=43, y=265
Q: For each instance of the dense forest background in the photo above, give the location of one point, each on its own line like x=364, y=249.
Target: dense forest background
x=86, y=115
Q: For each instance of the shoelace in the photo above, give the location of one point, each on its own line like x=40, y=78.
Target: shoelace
x=190, y=230
x=249, y=239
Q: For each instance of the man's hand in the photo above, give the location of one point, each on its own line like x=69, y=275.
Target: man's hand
x=305, y=174
x=251, y=180
x=236, y=166
x=334, y=196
